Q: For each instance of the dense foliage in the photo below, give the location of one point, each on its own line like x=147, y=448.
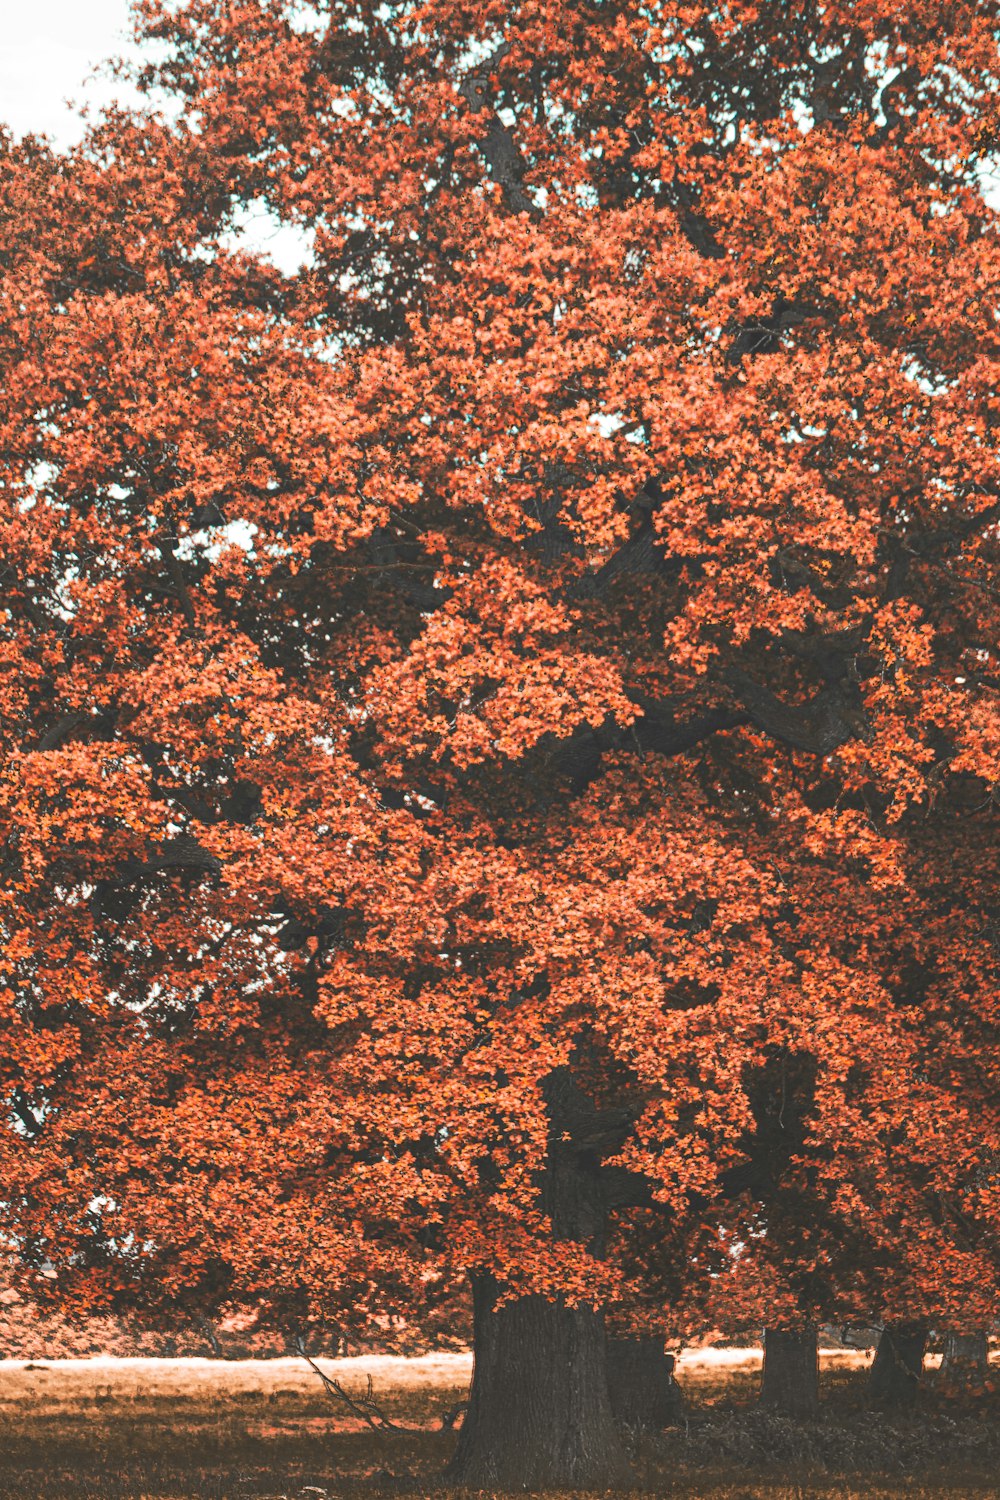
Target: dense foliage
x=515, y=702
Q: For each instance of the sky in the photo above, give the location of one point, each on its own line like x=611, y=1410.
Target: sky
x=47, y=50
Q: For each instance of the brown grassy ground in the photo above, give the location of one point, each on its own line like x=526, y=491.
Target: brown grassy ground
x=180, y=1429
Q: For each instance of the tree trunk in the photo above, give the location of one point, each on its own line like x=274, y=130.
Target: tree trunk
x=539, y=1414
x=965, y=1360
x=790, y=1378
x=641, y=1383
x=897, y=1369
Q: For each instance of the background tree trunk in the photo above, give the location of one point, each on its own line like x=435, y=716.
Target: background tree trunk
x=539, y=1415
x=790, y=1378
x=965, y=1360
x=897, y=1369
x=641, y=1383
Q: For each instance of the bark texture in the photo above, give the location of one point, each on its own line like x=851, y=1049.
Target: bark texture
x=641, y=1383
x=965, y=1359
x=897, y=1369
x=539, y=1413
x=790, y=1377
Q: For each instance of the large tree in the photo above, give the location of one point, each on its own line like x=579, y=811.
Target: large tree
x=500, y=730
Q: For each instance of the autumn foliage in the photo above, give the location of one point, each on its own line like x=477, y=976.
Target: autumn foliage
x=515, y=701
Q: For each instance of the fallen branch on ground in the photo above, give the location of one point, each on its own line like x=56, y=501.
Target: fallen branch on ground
x=364, y=1406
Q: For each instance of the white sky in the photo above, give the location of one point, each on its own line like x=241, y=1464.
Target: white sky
x=47, y=50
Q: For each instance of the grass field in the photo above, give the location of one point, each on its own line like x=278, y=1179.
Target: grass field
x=187, y=1429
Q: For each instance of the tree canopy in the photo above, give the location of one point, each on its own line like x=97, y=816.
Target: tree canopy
x=500, y=727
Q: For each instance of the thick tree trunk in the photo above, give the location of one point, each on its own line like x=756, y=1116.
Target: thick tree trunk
x=641, y=1383
x=897, y=1369
x=965, y=1360
x=539, y=1414
x=789, y=1381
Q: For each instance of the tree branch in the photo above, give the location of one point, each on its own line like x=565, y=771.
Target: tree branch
x=364, y=1406
x=169, y=556
x=498, y=146
x=835, y=716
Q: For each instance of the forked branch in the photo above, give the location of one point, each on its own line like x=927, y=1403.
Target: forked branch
x=364, y=1406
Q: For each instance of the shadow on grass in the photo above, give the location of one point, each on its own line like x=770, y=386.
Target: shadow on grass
x=219, y=1443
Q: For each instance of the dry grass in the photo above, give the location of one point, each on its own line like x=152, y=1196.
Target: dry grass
x=179, y=1429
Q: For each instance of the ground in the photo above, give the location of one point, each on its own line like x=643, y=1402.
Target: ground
x=157, y=1429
